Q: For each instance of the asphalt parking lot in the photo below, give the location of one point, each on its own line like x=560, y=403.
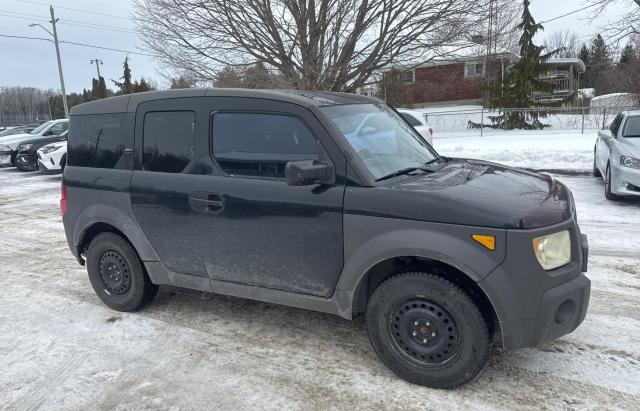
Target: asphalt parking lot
x=61, y=348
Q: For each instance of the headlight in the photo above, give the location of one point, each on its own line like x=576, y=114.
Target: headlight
x=554, y=250
x=629, y=162
x=25, y=146
x=51, y=148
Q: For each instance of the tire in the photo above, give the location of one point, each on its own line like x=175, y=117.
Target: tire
x=596, y=172
x=63, y=163
x=427, y=330
x=607, y=186
x=117, y=275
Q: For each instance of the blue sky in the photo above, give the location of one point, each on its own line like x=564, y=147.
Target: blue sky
x=33, y=63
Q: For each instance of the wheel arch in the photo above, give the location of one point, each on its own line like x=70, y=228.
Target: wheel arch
x=393, y=266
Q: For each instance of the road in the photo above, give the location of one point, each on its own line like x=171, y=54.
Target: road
x=61, y=348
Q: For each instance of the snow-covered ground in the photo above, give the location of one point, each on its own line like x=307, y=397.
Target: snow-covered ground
x=534, y=150
x=61, y=348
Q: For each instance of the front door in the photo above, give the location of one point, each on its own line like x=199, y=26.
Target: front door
x=230, y=215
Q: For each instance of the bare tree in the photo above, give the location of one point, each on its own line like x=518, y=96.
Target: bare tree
x=566, y=41
x=627, y=24
x=314, y=44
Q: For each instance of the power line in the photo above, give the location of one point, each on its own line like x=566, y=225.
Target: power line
x=82, y=45
x=77, y=10
x=68, y=22
x=569, y=13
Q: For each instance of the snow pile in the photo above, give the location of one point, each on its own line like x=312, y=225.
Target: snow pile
x=535, y=150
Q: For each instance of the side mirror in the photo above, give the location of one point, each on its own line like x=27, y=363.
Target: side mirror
x=307, y=172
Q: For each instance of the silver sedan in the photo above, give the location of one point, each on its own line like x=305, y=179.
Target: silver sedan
x=616, y=156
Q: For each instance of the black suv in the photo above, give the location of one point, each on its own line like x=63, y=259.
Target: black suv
x=329, y=202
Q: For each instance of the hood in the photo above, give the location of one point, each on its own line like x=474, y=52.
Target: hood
x=477, y=193
x=14, y=138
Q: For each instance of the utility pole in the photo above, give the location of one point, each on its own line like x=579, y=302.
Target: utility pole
x=98, y=63
x=55, y=40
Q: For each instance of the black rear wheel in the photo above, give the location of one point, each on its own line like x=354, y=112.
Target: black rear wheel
x=607, y=186
x=117, y=275
x=596, y=172
x=427, y=330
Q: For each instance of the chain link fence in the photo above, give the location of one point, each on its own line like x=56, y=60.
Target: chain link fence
x=14, y=120
x=559, y=120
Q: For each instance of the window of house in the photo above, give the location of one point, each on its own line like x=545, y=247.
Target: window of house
x=168, y=140
x=260, y=145
x=473, y=69
x=408, y=76
x=98, y=140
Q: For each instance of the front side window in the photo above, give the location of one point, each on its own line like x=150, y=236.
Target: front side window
x=384, y=142
x=168, y=140
x=58, y=129
x=261, y=144
x=98, y=140
x=615, y=125
x=632, y=127
x=41, y=127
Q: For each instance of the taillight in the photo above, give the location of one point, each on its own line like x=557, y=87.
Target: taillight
x=430, y=131
x=63, y=200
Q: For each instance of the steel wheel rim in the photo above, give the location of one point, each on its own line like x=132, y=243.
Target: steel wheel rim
x=115, y=273
x=425, y=332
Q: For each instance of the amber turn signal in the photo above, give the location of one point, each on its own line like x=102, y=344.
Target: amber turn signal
x=488, y=241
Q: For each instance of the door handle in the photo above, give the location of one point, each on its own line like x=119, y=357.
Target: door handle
x=204, y=202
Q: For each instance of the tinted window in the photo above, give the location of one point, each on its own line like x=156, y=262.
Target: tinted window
x=410, y=119
x=253, y=144
x=632, y=127
x=98, y=140
x=168, y=140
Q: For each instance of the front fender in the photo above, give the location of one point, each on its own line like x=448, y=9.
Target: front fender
x=369, y=240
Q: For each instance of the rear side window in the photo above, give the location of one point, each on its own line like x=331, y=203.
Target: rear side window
x=260, y=145
x=168, y=140
x=410, y=119
x=98, y=140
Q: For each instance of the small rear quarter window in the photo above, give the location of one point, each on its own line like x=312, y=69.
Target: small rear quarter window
x=98, y=140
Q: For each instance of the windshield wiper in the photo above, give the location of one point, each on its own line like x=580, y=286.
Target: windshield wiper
x=401, y=172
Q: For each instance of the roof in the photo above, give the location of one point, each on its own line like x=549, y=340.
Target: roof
x=130, y=102
x=568, y=60
x=464, y=59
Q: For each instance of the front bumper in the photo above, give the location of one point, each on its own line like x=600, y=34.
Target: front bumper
x=625, y=181
x=534, y=305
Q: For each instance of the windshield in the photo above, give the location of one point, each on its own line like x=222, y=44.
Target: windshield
x=383, y=141
x=632, y=127
x=41, y=127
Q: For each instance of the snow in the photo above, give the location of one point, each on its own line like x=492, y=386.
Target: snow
x=61, y=348
x=534, y=150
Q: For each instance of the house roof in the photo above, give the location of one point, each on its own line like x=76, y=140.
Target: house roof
x=568, y=60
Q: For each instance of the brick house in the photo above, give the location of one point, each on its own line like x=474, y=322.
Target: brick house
x=461, y=81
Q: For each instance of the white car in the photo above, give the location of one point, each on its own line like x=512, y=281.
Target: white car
x=9, y=144
x=419, y=122
x=53, y=157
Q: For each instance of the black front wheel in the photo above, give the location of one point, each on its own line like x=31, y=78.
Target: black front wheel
x=596, y=172
x=607, y=186
x=117, y=275
x=427, y=330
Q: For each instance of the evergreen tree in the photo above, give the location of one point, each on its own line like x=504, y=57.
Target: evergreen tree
x=600, y=62
x=126, y=87
x=628, y=54
x=516, y=88
x=141, y=86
